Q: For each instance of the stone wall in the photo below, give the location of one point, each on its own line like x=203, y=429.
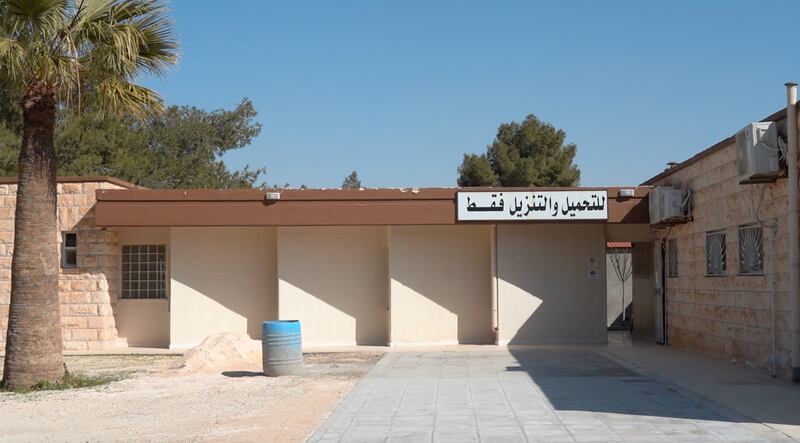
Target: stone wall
x=88, y=292
x=729, y=317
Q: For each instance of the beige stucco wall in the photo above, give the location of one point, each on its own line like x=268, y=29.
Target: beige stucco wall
x=728, y=317
x=544, y=293
x=633, y=232
x=440, y=284
x=334, y=280
x=222, y=279
x=143, y=322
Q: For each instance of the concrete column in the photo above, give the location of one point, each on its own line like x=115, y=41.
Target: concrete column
x=493, y=289
x=644, y=299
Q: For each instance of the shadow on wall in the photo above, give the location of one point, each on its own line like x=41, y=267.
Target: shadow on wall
x=618, y=262
x=618, y=324
x=222, y=279
x=343, y=268
x=547, y=295
x=446, y=268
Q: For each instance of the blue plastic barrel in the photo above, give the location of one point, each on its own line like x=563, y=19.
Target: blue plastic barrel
x=281, y=345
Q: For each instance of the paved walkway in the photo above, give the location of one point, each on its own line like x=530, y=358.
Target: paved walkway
x=497, y=395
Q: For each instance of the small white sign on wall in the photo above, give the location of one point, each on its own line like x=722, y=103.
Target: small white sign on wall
x=532, y=205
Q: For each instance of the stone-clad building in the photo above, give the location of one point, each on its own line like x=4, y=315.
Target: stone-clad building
x=724, y=309
x=89, y=288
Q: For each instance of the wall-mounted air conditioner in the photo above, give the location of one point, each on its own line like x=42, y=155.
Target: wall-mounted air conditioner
x=669, y=206
x=761, y=153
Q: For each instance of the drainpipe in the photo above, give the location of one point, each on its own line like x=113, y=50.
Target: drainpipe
x=773, y=291
x=493, y=264
x=794, y=239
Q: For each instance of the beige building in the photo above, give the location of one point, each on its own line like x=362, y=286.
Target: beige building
x=399, y=267
x=166, y=268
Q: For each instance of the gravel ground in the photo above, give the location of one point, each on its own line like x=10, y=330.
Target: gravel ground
x=154, y=402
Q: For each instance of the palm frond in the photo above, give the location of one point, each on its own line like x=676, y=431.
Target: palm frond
x=119, y=95
x=130, y=36
x=36, y=18
x=12, y=60
x=88, y=45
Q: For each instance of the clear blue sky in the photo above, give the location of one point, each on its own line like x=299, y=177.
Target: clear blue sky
x=400, y=90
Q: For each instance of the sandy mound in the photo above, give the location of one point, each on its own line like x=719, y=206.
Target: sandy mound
x=230, y=351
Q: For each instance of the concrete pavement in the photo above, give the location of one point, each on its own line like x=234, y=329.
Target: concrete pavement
x=534, y=394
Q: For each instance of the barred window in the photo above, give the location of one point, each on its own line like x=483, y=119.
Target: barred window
x=751, y=251
x=672, y=264
x=144, y=271
x=69, y=249
x=716, y=259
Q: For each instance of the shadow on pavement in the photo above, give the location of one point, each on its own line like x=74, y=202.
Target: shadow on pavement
x=586, y=380
x=239, y=374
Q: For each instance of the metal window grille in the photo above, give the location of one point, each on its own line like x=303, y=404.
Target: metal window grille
x=672, y=250
x=751, y=250
x=716, y=259
x=144, y=271
x=69, y=250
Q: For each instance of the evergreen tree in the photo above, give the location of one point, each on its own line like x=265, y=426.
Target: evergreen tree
x=352, y=181
x=531, y=153
x=179, y=148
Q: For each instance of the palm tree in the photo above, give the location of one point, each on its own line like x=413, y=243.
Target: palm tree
x=52, y=53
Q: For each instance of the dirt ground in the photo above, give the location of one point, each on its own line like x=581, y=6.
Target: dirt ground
x=156, y=402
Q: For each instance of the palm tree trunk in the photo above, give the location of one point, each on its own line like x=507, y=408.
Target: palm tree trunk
x=34, y=342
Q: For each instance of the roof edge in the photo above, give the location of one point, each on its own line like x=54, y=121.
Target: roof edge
x=775, y=116
x=229, y=195
x=79, y=179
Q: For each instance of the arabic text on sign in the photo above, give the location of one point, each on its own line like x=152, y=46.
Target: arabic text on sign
x=540, y=205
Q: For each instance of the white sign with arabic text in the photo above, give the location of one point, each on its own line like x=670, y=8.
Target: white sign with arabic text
x=533, y=205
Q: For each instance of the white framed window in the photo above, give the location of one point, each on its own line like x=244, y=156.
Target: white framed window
x=69, y=250
x=751, y=250
x=672, y=263
x=716, y=254
x=144, y=269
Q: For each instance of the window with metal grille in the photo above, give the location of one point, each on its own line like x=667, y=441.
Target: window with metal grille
x=672, y=263
x=716, y=259
x=144, y=271
x=69, y=249
x=751, y=251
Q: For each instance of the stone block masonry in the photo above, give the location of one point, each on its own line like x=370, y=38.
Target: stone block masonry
x=89, y=291
x=728, y=316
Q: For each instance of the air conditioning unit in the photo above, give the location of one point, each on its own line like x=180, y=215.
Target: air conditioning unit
x=669, y=206
x=761, y=153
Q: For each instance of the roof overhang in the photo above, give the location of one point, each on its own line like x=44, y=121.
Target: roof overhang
x=318, y=207
x=78, y=179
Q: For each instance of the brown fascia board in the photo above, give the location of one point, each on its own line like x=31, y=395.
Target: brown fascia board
x=222, y=195
x=79, y=179
x=353, y=195
x=313, y=207
x=779, y=115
